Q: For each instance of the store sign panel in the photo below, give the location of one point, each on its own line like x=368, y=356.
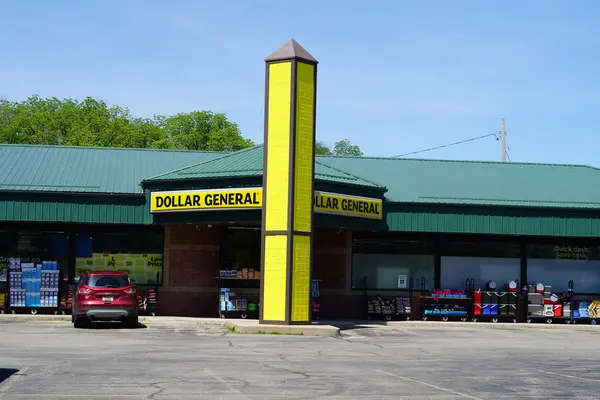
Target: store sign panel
x=199, y=200
x=353, y=206
x=251, y=198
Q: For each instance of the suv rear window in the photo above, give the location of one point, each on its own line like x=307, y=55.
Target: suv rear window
x=100, y=281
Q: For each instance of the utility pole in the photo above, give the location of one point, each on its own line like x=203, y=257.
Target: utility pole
x=503, y=138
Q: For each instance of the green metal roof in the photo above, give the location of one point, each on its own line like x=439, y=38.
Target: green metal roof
x=249, y=163
x=478, y=183
x=106, y=170
x=87, y=169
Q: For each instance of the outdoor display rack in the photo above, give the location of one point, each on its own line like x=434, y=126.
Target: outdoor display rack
x=147, y=304
x=496, y=305
x=391, y=308
x=315, y=298
x=33, y=286
x=238, y=293
x=545, y=305
x=584, y=307
x=447, y=304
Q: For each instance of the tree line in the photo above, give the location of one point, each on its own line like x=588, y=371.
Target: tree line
x=92, y=122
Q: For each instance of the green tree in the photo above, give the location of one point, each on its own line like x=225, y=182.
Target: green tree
x=340, y=148
x=321, y=149
x=92, y=122
x=203, y=130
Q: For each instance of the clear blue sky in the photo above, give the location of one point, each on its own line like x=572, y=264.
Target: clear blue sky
x=394, y=77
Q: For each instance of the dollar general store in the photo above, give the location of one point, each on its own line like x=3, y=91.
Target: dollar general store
x=196, y=224
x=441, y=220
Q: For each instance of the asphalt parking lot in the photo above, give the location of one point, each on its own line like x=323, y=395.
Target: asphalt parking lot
x=54, y=361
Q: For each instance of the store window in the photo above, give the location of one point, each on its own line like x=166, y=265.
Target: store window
x=482, y=261
x=241, y=249
x=139, y=253
x=33, y=247
x=385, y=264
x=557, y=264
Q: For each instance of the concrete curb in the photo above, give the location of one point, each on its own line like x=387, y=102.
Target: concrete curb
x=143, y=319
x=253, y=327
x=240, y=326
x=489, y=325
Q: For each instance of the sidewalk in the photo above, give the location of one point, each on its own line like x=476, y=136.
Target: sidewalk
x=321, y=328
x=235, y=325
x=489, y=325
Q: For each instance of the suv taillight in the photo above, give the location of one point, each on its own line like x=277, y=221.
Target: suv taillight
x=84, y=290
x=130, y=290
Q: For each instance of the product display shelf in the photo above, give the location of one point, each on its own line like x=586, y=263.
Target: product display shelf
x=391, y=308
x=447, y=305
x=496, y=305
x=238, y=293
x=585, y=308
x=33, y=287
x=545, y=306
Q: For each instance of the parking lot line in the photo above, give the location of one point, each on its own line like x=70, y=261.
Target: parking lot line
x=571, y=376
x=464, y=395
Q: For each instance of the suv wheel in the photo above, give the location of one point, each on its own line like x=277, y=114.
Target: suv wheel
x=79, y=323
x=131, y=322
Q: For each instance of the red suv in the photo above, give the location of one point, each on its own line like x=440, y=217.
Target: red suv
x=105, y=296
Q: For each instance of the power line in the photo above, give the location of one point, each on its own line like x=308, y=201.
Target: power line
x=448, y=145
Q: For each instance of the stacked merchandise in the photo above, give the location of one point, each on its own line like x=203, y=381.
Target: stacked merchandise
x=542, y=303
x=448, y=294
x=33, y=285
x=582, y=311
x=315, y=297
x=594, y=309
x=403, y=306
x=151, y=300
x=66, y=302
x=230, y=301
x=16, y=290
x=381, y=306
x=455, y=310
x=446, y=309
x=244, y=273
x=141, y=302
x=535, y=301
x=50, y=284
x=496, y=303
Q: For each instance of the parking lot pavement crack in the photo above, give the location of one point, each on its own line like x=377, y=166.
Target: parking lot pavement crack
x=159, y=390
x=304, y=375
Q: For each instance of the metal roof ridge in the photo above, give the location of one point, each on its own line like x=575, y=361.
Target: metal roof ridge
x=60, y=146
x=349, y=174
x=507, y=200
x=157, y=177
x=461, y=161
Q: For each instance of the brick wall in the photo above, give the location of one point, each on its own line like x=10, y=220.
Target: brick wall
x=191, y=265
x=332, y=252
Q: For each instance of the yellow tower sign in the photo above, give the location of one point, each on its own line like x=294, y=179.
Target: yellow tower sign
x=288, y=185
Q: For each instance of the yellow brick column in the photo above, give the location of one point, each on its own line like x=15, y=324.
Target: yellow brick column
x=288, y=185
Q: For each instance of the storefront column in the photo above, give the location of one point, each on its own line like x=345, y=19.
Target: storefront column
x=288, y=185
x=72, y=257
